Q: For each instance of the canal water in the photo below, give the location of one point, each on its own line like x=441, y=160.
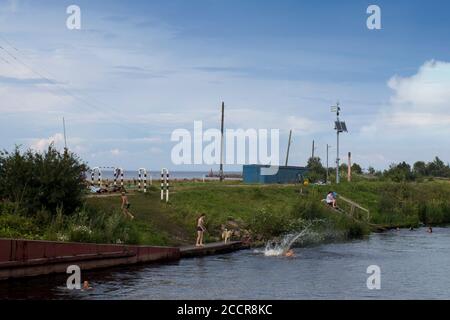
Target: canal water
x=414, y=264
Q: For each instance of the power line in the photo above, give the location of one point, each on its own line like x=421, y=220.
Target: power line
x=85, y=102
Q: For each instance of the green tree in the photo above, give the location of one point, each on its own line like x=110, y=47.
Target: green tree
x=420, y=169
x=437, y=168
x=356, y=168
x=47, y=180
x=316, y=171
x=400, y=172
x=371, y=170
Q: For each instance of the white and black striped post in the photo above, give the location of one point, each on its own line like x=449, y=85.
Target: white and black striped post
x=165, y=184
x=145, y=181
x=162, y=184
x=139, y=180
x=118, y=172
x=99, y=171
x=142, y=172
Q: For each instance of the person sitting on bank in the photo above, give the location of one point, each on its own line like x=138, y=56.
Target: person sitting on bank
x=331, y=199
x=126, y=206
x=200, y=230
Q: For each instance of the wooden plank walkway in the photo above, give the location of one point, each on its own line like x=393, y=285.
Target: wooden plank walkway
x=211, y=249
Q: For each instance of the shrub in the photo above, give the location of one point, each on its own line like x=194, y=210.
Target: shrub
x=15, y=226
x=265, y=223
x=42, y=181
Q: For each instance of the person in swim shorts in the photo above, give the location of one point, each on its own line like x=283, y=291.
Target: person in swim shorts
x=200, y=230
x=126, y=206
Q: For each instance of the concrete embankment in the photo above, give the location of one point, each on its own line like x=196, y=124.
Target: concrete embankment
x=26, y=258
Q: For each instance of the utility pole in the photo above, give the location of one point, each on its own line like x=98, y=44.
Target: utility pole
x=221, y=142
x=289, y=147
x=349, y=170
x=340, y=127
x=313, y=149
x=65, y=139
x=337, y=145
x=328, y=148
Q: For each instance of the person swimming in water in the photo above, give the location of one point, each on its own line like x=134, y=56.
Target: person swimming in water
x=289, y=253
x=86, y=286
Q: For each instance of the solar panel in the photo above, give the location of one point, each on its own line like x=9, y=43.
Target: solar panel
x=340, y=126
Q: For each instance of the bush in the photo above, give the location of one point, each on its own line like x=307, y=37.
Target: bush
x=15, y=226
x=316, y=171
x=266, y=224
x=42, y=181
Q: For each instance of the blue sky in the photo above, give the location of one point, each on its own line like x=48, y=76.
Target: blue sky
x=138, y=70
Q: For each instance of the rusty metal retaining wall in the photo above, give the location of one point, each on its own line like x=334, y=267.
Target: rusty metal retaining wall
x=23, y=258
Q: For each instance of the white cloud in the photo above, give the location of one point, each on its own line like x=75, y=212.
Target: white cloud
x=259, y=119
x=42, y=144
x=428, y=90
x=115, y=152
x=421, y=101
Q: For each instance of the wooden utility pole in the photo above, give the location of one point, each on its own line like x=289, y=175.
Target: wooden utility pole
x=221, y=142
x=65, y=139
x=313, y=148
x=328, y=148
x=289, y=147
x=349, y=171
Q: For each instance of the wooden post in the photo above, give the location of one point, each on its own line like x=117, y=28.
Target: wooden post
x=221, y=142
x=288, y=148
x=349, y=173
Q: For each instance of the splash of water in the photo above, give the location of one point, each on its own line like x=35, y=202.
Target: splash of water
x=280, y=248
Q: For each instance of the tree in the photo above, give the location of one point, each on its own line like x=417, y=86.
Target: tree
x=437, y=168
x=356, y=168
x=47, y=180
x=400, y=172
x=316, y=171
x=371, y=170
x=420, y=169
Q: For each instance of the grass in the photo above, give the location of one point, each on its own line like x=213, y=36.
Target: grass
x=266, y=211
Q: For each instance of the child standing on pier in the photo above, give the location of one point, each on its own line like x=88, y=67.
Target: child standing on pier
x=200, y=230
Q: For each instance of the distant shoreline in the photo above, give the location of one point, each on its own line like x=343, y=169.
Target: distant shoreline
x=131, y=175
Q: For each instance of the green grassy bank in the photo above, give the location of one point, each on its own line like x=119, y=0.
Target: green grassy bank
x=263, y=212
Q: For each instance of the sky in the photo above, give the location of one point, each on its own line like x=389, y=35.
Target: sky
x=138, y=70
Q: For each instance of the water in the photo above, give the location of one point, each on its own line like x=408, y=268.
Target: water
x=280, y=248
x=133, y=174
x=414, y=264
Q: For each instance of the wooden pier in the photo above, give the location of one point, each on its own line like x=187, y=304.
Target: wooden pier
x=211, y=248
